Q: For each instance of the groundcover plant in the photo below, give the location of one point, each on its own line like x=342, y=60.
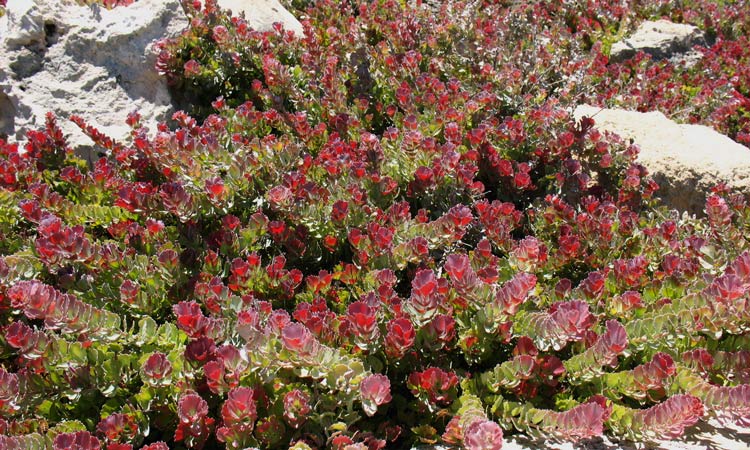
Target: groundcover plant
x=383, y=233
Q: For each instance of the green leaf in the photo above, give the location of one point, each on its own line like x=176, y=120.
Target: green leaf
x=45, y=407
x=338, y=426
x=71, y=354
x=146, y=331
x=111, y=406
x=169, y=335
x=23, y=265
x=96, y=215
x=144, y=398
x=68, y=426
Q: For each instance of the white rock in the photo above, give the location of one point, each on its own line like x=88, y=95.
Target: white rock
x=28, y=24
x=661, y=39
x=686, y=160
x=261, y=14
x=58, y=56
x=69, y=59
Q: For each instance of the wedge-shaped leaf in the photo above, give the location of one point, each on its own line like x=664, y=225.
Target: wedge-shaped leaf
x=9, y=392
x=22, y=265
x=28, y=341
x=666, y=420
x=670, y=323
x=730, y=403
x=96, y=215
x=509, y=374
x=734, y=366
x=67, y=355
x=63, y=312
x=582, y=421
x=564, y=322
x=654, y=375
x=727, y=403
x=33, y=441
x=471, y=428
x=589, y=364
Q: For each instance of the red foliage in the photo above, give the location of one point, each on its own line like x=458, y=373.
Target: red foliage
x=434, y=384
x=457, y=232
x=483, y=435
x=375, y=390
x=400, y=337
x=81, y=440
x=670, y=418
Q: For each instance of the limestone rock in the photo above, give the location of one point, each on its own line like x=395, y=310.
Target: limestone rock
x=262, y=14
x=69, y=59
x=686, y=160
x=661, y=39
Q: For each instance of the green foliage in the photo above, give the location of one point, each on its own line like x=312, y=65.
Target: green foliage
x=387, y=232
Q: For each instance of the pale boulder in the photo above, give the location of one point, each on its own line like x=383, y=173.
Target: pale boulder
x=686, y=160
x=59, y=56
x=262, y=14
x=660, y=39
x=69, y=59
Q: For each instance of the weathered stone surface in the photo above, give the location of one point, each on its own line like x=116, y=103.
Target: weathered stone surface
x=262, y=14
x=69, y=59
x=661, y=39
x=686, y=160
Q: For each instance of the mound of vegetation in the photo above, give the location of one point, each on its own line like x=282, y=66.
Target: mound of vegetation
x=386, y=232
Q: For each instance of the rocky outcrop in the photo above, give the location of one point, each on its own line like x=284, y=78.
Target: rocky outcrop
x=85, y=60
x=660, y=39
x=262, y=14
x=70, y=59
x=686, y=160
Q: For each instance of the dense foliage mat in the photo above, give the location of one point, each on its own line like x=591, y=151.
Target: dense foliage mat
x=386, y=232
